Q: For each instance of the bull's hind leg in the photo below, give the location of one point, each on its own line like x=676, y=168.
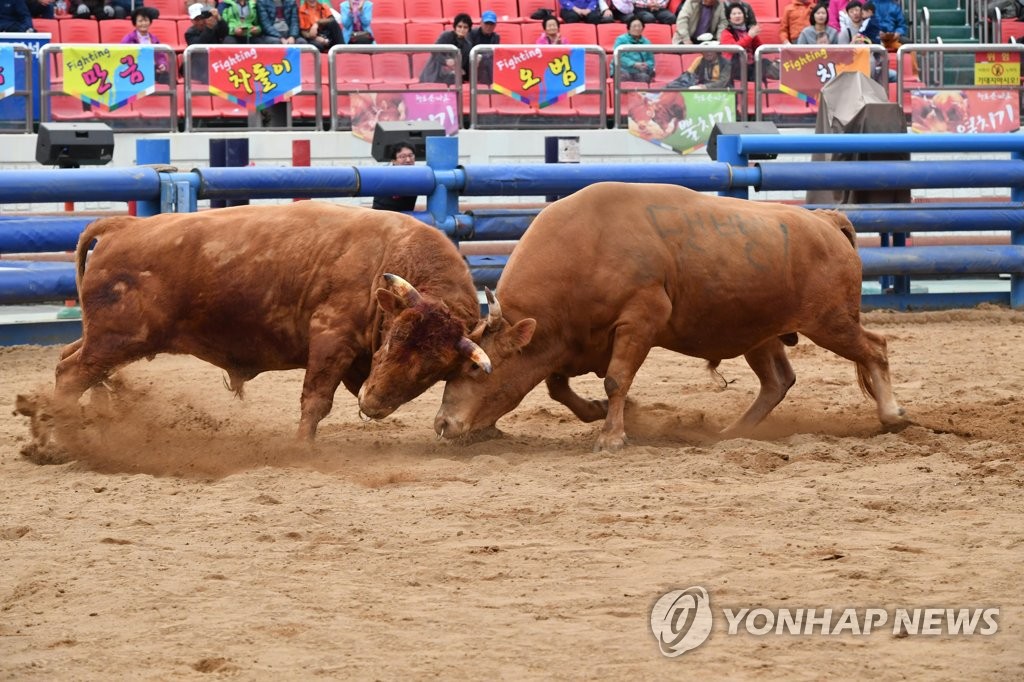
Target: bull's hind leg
x=770, y=364
x=848, y=339
x=586, y=410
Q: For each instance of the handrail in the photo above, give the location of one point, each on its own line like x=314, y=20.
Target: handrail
x=26, y=92
x=941, y=49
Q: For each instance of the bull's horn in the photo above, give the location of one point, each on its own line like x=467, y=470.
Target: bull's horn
x=493, y=310
x=402, y=289
x=475, y=353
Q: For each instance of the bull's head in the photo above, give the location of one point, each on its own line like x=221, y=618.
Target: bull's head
x=474, y=401
x=423, y=343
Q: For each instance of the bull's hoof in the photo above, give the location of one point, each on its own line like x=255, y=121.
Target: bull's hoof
x=479, y=436
x=898, y=420
x=607, y=442
x=45, y=454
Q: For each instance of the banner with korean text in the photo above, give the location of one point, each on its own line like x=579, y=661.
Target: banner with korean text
x=680, y=121
x=108, y=76
x=997, y=68
x=6, y=70
x=964, y=111
x=438, y=106
x=803, y=72
x=539, y=77
x=255, y=77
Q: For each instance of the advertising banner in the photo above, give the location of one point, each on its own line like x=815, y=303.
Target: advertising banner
x=997, y=68
x=6, y=70
x=109, y=76
x=255, y=77
x=964, y=111
x=678, y=120
x=539, y=77
x=439, y=106
x=803, y=72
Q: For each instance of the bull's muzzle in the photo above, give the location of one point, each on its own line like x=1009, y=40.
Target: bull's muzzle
x=448, y=427
x=371, y=407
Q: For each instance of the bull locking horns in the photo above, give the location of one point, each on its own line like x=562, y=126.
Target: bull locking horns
x=493, y=310
x=475, y=353
x=402, y=289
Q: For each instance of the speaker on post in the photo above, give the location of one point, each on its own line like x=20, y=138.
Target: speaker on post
x=741, y=128
x=70, y=145
x=414, y=133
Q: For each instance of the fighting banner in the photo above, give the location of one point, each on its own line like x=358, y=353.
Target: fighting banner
x=539, y=77
x=109, y=76
x=803, y=72
x=680, y=121
x=964, y=111
x=6, y=70
x=997, y=68
x=255, y=77
x=439, y=106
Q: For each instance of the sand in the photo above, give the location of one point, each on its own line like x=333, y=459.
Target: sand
x=192, y=538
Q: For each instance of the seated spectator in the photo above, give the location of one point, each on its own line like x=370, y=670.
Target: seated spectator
x=485, y=34
x=698, y=17
x=576, y=11
x=794, y=18
x=636, y=66
x=551, y=35
x=653, y=11
x=356, y=16
x=737, y=32
x=892, y=25
x=207, y=29
x=619, y=10
x=402, y=154
x=100, y=9
x=853, y=17
x=142, y=18
x=710, y=71
x=279, y=20
x=43, y=9
x=818, y=32
x=318, y=26
x=243, y=23
x=15, y=17
x=442, y=68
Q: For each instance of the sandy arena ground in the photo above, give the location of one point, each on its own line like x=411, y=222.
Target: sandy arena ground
x=193, y=539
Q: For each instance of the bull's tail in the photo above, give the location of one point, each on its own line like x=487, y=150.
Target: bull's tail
x=840, y=220
x=93, y=230
x=864, y=381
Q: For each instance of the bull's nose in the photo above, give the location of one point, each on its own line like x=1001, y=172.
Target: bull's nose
x=446, y=427
x=370, y=408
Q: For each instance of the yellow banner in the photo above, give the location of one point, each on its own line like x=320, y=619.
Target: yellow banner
x=109, y=76
x=997, y=68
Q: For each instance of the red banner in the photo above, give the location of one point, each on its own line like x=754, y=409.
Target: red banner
x=964, y=111
x=804, y=71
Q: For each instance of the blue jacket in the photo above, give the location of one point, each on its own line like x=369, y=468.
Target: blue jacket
x=14, y=16
x=365, y=16
x=266, y=13
x=889, y=15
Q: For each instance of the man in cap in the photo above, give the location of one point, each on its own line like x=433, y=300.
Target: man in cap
x=485, y=34
x=207, y=29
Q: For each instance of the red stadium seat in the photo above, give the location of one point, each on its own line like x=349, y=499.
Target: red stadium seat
x=1009, y=29
x=607, y=33
x=79, y=31
x=449, y=8
x=390, y=10
x=511, y=34
x=531, y=32
x=171, y=9
x=425, y=10
x=507, y=10
x=354, y=68
x=589, y=104
x=659, y=34
x=667, y=66
x=183, y=25
x=768, y=10
x=423, y=33
x=167, y=33
x=114, y=30
x=580, y=33
x=392, y=68
x=389, y=32
x=63, y=108
x=769, y=32
x=528, y=7
x=51, y=26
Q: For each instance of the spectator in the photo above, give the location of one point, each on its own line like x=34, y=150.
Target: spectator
x=402, y=154
x=442, y=68
x=710, y=71
x=850, y=33
x=869, y=25
x=279, y=20
x=551, y=34
x=318, y=26
x=42, y=9
x=619, y=10
x=100, y=9
x=575, y=11
x=653, y=11
x=739, y=33
x=142, y=18
x=818, y=32
x=485, y=34
x=15, y=17
x=243, y=23
x=207, y=29
x=698, y=17
x=794, y=19
x=892, y=25
x=356, y=16
x=636, y=66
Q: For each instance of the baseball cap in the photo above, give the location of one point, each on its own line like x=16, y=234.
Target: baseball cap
x=489, y=17
x=706, y=39
x=197, y=10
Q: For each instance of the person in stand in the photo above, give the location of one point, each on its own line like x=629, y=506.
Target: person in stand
x=142, y=19
x=402, y=154
x=15, y=17
x=636, y=66
x=710, y=71
x=356, y=16
x=653, y=11
x=442, y=68
x=737, y=32
x=818, y=32
x=318, y=26
x=279, y=21
x=588, y=11
x=697, y=17
x=793, y=19
x=485, y=34
x=243, y=23
x=551, y=34
x=207, y=29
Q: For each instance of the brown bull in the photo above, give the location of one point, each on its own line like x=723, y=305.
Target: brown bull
x=258, y=288
x=606, y=274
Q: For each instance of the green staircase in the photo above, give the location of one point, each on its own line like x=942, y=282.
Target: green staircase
x=951, y=25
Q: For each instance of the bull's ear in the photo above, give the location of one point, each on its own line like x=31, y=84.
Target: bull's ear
x=522, y=332
x=392, y=304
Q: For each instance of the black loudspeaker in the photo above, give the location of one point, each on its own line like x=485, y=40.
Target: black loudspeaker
x=70, y=145
x=740, y=128
x=414, y=133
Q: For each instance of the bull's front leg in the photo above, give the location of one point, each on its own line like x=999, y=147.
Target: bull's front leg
x=586, y=410
x=330, y=357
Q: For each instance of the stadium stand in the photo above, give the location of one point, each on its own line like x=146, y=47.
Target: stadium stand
x=113, y=30
x=79, y=31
